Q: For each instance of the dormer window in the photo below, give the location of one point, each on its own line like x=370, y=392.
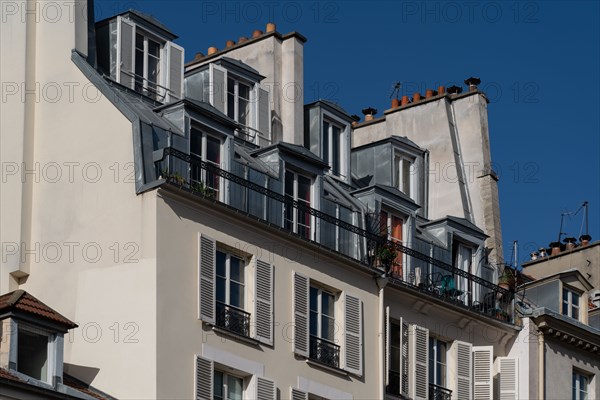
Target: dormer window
x=332, y=140
x=238, y=101
x=32, y=352
x=298, y=188
x=570, y=303
x=147, y=65
x=405, y=178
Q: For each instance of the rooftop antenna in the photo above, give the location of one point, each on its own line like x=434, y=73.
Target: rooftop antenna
x=567, y=213
x=395, y=90
x=562, y=218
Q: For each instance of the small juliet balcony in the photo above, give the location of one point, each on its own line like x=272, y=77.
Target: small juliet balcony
x=232, y=319
x=324, y=351
x=439, y=393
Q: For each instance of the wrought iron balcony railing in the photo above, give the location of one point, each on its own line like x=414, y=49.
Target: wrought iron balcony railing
x=439, y=393
x=232, y=319
x=410, y=264
x=324, y=351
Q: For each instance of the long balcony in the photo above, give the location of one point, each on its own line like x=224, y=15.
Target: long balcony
x=261, y=197
x=232, y=319
x=324, y=351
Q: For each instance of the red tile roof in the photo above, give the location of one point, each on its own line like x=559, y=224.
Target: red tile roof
x=20, y=300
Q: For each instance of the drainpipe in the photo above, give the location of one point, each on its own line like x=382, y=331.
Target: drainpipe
x=381, y=281
x=541, y=362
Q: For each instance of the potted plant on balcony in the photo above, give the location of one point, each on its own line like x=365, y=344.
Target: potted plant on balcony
x=386, y=255
x=507, y=280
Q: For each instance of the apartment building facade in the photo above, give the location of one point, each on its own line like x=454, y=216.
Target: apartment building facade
x=247, y=246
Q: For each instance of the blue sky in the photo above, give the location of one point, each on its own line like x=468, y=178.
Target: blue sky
x=539, y=62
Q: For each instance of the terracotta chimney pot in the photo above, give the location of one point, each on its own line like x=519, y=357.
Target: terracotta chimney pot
x=405, y=100
x=271, y=27
x=585, y=240
x=441, y=90
x=395, y=103
x=242, y=39
x=429, y=93
x=229, y=43
x=198, y=56
x=212, y=50
x=416, y=97
x=555, y=246
x=257, y=33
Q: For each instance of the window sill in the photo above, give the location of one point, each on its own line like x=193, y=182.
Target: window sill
x=317, y=364
x=234, y=335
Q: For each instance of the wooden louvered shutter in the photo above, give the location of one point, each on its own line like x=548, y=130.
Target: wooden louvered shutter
x=353, y=334
x=175, y=71
x=301, y=338
x=263, y=305
x=508, y=381
x=265, y=389
x=404, y=357
x=125, y=52
x=419, y=365
x=298, y=394
x=463, y=370
x=218, y=88
x=206, y=273
x=483, y=357
x=204, y=379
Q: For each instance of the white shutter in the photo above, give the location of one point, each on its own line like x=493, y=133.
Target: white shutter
x=265, y=389
x=263, y=116
x=353, y=334
x=218, y=88
x=263, y=305
x=388, y=347
x=204, y=379
x=404, y=354
x=461, y=368
x=483, y=357
x=206, y=274
x=175, y=71
x=298, y=394
x=419, y=363
x=508, y=379
x=125, y=52
x=300, y=293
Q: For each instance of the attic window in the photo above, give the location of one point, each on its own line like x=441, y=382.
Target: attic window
x=32, y=358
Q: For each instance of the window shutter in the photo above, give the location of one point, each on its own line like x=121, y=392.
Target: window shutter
x=301, y=288
x=463, y=370
x=508, y=382
x=206, y=274
x=404, y=354
x=265, y=389
x=298, y=394
x=263, y=117
x=218, y=87
x=125, y=52
x=175, y=70
x=483, y=357
x=353, y=337
x=388, y=347
x=263, y=312
x=204, y=379
x=419, y=365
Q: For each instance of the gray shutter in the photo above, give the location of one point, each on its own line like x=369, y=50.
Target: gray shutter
x=353, y=336
x=206, y=274
x=419, y=366
x=464, y=370
x=508, y=382
x=483, y=357
x=175, y=82
x=264, y=117
x=264, y=302
x=126, y=52
x=204, y=379
x=387, y=345
x=404, y=357
x=301, y=289
x=265, y=389
x=298, y=394
x=218, y=88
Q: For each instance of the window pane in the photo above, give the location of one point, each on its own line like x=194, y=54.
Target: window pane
x=397, y=161
x=243, y=110
x=153, y=70
x=153, y=48
x=196, y=142
x=221, y=291
x=289, y=183
x=327, y=304
x=314, y=323
x=335, y=144
x=314, y=299
x=406, y=172
x=326, y=141
x=218, y=385
x=327, y=328
x=304, y=189
x=234, y=388
x=32, y=354
x=236, y=295
x=231, y=98
x=575, y=299
x=213, y=150
x=243, y=91
x=221, y=258
x=236, y=267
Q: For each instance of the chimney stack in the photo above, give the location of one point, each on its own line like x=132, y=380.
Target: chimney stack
x=369, y=113
x=472, y=83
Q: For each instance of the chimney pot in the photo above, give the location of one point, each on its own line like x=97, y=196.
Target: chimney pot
x=555, y=246
x=570, y=243
x=429, y=93
x=242, y=39
x=395, y=103
x=212, y=50
x=355, y=119
x=369, y=113
x=271, y=27
x=416, y=97
x=472, y=83
x=229, y=43
x=405, y=100
x=198, y=56
x=257, y=33
x=441, y=89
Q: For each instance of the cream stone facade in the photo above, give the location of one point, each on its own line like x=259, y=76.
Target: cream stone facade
x=211, y=237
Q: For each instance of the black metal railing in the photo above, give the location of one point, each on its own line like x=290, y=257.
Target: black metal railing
x=439, y=393
x=324, y=351
x=262, y=197
x=232, y=319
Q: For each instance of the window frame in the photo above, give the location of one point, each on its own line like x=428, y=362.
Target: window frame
x=229, y=280
x=398, y=172
x=159, y=93
x=343, y=141
x=50, y=350
x=320, y=292
x=570, y=306
x=204, y=138
x=576, y=389
x=401, y=257
x=434, y=351
x=225, y=384
x=250, y=117
x=294, y=222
